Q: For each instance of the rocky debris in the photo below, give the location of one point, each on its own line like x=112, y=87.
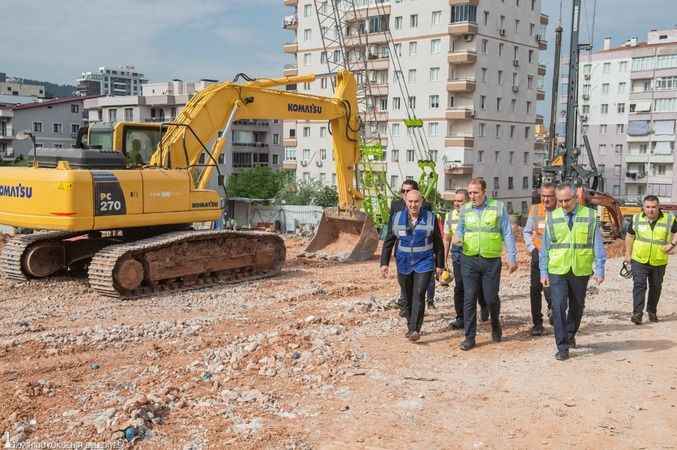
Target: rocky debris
x=21, y=431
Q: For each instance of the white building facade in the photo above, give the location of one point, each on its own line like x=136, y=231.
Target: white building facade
x=112, y=81
x=473, y=77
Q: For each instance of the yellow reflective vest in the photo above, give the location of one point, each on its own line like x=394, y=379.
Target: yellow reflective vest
x=571, y=249
x=648, y=244
x=482, y=231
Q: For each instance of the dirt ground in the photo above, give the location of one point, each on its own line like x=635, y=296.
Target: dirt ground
x=316, y=358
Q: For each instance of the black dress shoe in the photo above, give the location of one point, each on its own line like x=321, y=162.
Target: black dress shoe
x=537, y=330
x=572, y=341
x=484, y=314
x=653, y=317
x=562, y=356
x=467, y=345
x=457, y=324
x=407, y=334
x=637, y=319
x=414, y=336
x=496, y=333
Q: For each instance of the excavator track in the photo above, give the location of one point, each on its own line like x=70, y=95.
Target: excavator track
x=12, y=256
x=184, y=260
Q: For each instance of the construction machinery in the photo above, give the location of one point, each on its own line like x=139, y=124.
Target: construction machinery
x=563, y=160
x=130, y=224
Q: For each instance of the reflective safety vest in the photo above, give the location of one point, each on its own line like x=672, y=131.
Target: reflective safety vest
x=415, y=244
x=537, y=213
x=648, y=244
x=571, y=250
x=482, y=231
x=451, y=221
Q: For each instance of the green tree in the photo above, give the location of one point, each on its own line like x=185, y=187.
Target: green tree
x=259, y=182
x=308, y=193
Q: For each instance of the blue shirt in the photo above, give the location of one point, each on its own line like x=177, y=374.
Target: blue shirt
x=506, y=231
x=597, y=247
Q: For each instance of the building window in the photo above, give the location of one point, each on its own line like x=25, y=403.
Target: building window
x=621, y=108
x=509, y=208
x=500, y=49
x=37, y=127
x=497, y=186
x=307, y=10
x=75, y=128
x=396, y=129
x=622, y=87
x=276, y=139
x=398, y=22
x=497, y=156
x=498, y=131
x=620, y=129
x=606, y=68
x=410, y=155
x=396, y=103
x=306, y=154
x=323, y=131
x=623, y=66
x=526, y=158
x=129, y=113
x=56, y=128
x=323, y=154
x=434, y=74
x=306, y=131
x=483, y=102
x=434, y=129
x=307, y=34
x=290, y=154
x=482, y=129
x=602, y=149
x=306, y=59
x=528, y=107
x=527, y=132
x=435, y=46
x=413, y=48
x=484, y=74
x=433, y=155
x=511, y=156
x=619, y=148
x=485, y=45
x=413, y=21
x=500, y=77
x=436, y=18
x=412, y=102
x=605, y=108
x=463, y=13
x=525, y=182
x=498, y=104
x=510, y=183
x=602, y=129
x=412, y=76
x=112, y=115
x=395, y=156
x=512, y=131
x=605, y=88
x=394, y=182
x=480, y=155
x=434, y=101
x=75, y=109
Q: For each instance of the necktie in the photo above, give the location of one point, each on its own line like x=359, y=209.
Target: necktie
x=571, y=220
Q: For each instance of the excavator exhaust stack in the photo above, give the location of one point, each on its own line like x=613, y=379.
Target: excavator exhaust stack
x=346, y=236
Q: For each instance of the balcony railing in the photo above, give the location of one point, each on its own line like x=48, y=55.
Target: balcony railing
x=290, y=22
x=250, y=144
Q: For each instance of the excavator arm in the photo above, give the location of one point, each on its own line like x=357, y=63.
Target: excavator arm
x=213, y=109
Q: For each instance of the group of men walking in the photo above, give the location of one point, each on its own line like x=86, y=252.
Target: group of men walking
x=565, y=242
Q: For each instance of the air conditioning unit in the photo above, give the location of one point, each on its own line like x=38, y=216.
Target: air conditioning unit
x=468, y=37
x=587, y=76
x=304, y=163
x=515, y=88
x=516, y=62
x=584, y=118
x=318, y=163
x=501, y=32
x=586, y=97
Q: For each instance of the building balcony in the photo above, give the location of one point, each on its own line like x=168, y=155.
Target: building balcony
x=637, y=157
x=539, y=119
x=291, y=47
x=378, y=116
x=461, y=28
x=378, y=63
x=290, y=22
x=289, y=164
x=290, y=70
x=6, y=136
x=544, y=19
x=6, y=113
x=542, y=44
x=458, y=169
x=458, y=113
x=462, y=57
x=290, y=2
x=459, y=141
x=539, y=145
x=379, y=90
x=373, y=38
x=467, y=85
x=540, y=94
x=364, y=12
x=542, y=70
x=289, y=142
x=463, y=2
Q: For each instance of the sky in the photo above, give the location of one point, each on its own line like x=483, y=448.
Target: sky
x=57, y=40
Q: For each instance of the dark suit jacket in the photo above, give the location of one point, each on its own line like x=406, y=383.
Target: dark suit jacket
x=391, y=240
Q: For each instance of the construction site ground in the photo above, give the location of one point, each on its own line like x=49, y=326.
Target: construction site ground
x=314, y=358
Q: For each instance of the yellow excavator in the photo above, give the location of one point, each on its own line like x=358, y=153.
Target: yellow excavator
x=131, y=224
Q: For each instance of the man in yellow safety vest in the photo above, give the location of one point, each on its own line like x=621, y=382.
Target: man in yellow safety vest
x=571, y=252
x=650, y=238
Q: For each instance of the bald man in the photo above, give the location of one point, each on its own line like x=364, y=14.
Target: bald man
x=419, y=256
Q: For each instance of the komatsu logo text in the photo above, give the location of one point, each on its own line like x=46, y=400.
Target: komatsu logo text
x=17, y=191
x=310, y=109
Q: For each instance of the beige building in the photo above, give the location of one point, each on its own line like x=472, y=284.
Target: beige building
x=473, y=76
x=11, y=86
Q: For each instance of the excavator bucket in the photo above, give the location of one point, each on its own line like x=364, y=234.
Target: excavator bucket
x=345, y=236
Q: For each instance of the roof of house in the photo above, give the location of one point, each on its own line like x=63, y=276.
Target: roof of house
x=54, y=101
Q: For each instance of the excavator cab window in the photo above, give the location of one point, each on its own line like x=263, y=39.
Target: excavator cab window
x=139, y=144
x=100, y=138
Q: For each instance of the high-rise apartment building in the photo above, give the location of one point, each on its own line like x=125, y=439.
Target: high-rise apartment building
x=627, y=106
x=124, y=80
x=473, y=77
